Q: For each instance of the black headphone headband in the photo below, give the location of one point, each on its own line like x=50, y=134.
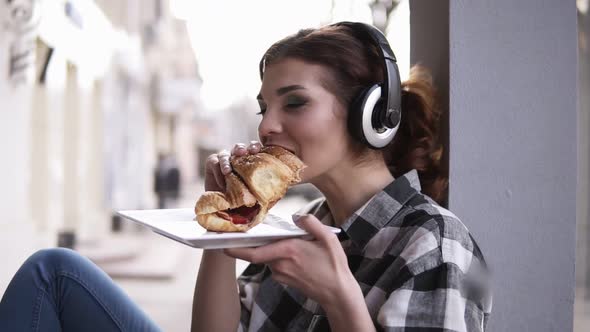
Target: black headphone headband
x=391, y=87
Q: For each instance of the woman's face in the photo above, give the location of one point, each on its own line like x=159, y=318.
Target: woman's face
x=299, y=114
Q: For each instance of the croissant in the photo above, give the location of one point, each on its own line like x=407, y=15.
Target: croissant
x=256, y=183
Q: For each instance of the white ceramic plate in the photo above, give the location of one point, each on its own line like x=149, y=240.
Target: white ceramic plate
x=180, y=225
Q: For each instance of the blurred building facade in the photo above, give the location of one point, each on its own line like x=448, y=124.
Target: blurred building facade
x=93, y=92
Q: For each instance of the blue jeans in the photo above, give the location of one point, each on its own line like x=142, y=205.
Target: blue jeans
x=60, y=290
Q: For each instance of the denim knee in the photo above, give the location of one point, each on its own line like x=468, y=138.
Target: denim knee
x=53, y=258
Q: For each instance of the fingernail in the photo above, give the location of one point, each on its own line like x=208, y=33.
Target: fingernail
x=296, y=217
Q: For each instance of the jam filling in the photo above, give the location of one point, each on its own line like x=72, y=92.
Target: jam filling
x=241, y=215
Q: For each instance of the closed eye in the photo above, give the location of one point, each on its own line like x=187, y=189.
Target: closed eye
x=290, y=106
x=294, y=101
x=295, y=105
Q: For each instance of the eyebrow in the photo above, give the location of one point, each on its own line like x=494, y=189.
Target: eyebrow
x=283, y=90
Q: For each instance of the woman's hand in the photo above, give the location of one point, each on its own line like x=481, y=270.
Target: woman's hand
x=318, y=268
x=217, y=165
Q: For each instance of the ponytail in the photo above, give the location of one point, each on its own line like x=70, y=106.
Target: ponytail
x=417, y=142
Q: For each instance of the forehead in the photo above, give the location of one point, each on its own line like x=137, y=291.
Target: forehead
x=292, y=72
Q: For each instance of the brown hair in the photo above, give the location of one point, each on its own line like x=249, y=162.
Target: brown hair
x=354, y=64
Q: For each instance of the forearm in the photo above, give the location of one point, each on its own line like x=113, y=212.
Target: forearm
x=216, y=292
x=349, y=312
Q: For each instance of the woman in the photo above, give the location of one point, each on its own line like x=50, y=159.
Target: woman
x=400, y=262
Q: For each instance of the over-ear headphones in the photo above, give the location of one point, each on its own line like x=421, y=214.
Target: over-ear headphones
x=375, y=114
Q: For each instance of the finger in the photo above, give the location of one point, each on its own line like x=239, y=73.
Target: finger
x=264, y=254
x=239, y=149
x=224, y=163
x=313, y=226
x=246, y=254
x=254, y=147
x=213, y=165
x=212, y=160
x=223, y=153
x=281, y=278
x=284, y=267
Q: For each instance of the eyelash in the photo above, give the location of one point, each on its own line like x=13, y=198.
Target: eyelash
x=289, y=106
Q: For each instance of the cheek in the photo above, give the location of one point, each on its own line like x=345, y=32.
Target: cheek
x=323, y=144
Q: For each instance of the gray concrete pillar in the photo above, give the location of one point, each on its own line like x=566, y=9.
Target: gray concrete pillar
x=583, y=211
x=512, y=102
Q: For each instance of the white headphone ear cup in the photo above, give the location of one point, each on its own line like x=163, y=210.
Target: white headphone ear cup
x=375, y=139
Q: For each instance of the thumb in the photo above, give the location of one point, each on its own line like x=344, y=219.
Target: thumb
x=311, y=225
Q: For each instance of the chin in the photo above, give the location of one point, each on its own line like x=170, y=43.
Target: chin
x=307, y=176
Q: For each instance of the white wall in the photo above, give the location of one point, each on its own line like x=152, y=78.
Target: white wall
x=14, y=166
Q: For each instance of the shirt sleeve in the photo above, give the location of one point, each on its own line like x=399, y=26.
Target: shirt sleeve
x=442, y=287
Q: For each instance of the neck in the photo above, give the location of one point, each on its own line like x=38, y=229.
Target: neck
x=349, y=186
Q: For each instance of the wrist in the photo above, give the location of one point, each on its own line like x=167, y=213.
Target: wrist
x=216, y=256
x=346, y=292
x=346, y=309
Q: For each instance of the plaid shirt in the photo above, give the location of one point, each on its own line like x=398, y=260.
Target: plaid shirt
x=417, y=264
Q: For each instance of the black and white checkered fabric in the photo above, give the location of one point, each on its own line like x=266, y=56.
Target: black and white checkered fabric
x=418, y=266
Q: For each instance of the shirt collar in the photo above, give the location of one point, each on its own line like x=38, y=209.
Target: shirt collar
x=362, y=225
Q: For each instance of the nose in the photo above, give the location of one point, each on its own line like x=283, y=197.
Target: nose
x=270, y=125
